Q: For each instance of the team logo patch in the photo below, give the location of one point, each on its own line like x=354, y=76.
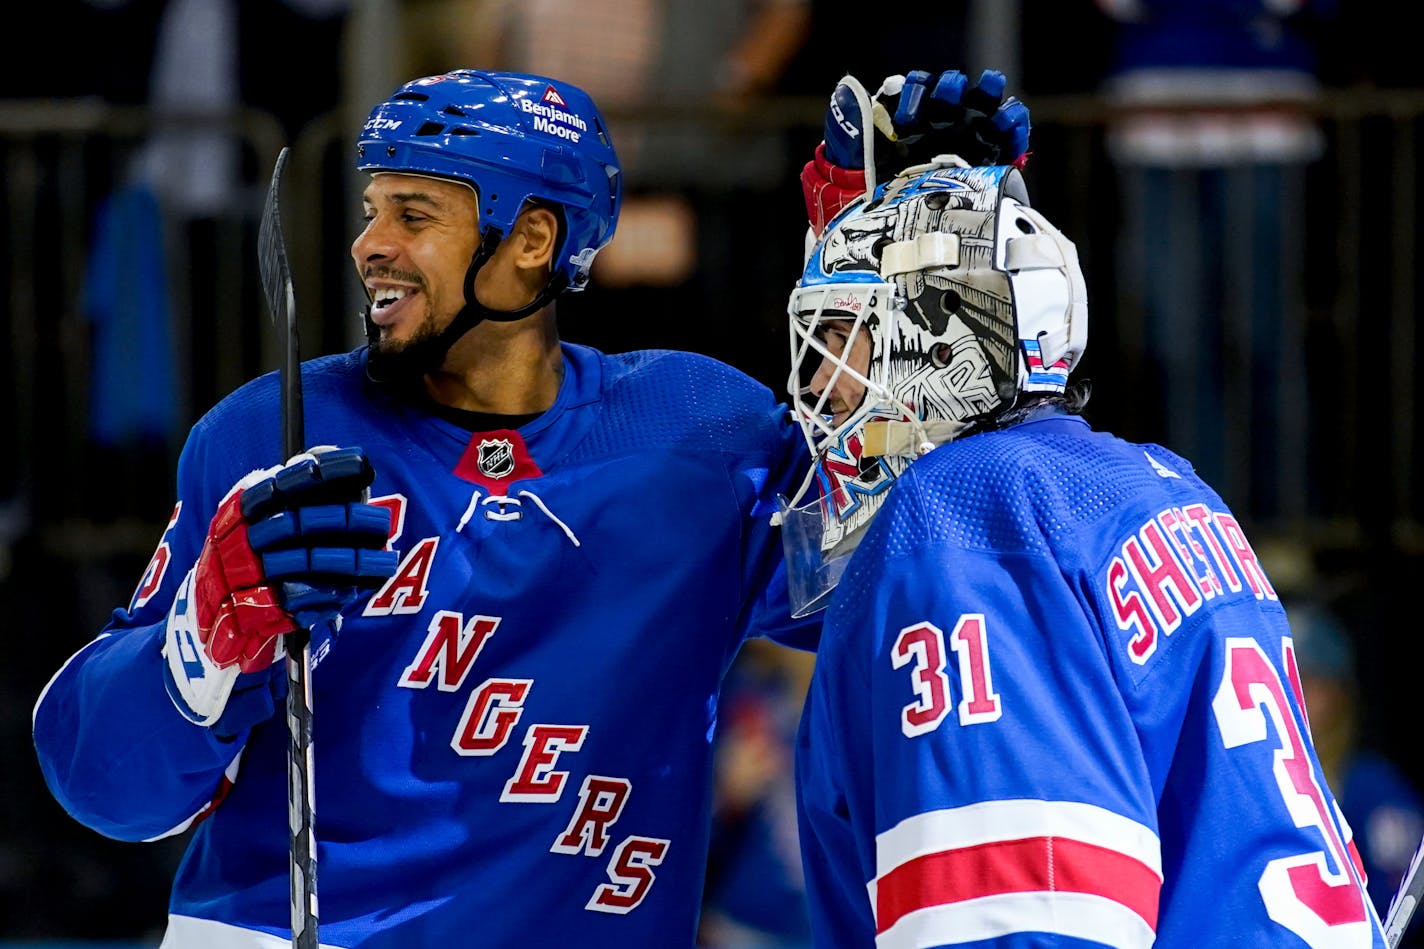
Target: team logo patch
x=552, y=97
x=496, y=457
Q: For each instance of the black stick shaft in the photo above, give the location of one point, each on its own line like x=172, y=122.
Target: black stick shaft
x=300, y=794
x=1406, y=901
x=294, y=439
x=301, y=798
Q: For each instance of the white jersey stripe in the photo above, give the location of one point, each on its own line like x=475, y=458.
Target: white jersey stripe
x=1033, y=849
x=186, y=932
x=1067, y=914
x=996, y=821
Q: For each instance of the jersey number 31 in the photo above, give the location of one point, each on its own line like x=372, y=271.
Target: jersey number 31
x=1317, y=896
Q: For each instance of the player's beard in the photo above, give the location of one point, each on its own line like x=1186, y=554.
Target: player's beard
x=405, y=361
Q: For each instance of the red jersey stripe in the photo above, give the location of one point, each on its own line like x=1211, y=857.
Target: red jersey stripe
x=1048, y=864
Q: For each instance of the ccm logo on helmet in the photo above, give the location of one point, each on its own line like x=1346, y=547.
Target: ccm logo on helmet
x=555, y=121
x=381, y=124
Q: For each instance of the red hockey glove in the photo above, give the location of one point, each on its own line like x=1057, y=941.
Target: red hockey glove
x=910, y=120
x=828, y=188
x=288, y=548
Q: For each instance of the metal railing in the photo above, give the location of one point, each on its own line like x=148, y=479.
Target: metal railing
x=1341, y=442
x=84, y=511
x=1336, y=463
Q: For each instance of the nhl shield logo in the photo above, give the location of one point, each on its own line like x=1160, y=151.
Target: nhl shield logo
x=496, y=457
x=495, y=460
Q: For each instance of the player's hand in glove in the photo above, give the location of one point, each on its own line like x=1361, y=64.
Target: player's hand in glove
x=923, y=116
x=289, y=548
x=910, y=120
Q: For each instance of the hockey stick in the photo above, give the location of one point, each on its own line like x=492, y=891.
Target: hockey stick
x=1406, y=901
x=277, y=285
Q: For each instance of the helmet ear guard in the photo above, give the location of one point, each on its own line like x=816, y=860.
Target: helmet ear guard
x=1050, y=299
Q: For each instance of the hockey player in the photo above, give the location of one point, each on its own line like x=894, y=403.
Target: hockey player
x=526, y=567
x=1056, y=700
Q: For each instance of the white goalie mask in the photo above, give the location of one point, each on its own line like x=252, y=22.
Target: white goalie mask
x=925, y=310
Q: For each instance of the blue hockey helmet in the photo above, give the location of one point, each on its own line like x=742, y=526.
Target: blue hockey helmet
x=513, y=138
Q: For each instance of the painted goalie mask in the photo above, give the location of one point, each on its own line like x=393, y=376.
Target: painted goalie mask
x=927, y=311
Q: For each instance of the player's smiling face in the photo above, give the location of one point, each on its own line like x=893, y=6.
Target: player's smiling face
x=413, y=254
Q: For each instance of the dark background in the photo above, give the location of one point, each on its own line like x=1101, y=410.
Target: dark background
x=78, y=520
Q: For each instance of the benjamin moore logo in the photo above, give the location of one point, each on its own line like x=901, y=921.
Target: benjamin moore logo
x=554, y=119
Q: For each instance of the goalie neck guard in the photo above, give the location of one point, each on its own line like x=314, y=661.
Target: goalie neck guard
x=965, y=300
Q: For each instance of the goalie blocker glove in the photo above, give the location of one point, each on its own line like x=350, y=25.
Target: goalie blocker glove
x=289, y=548
x=911, y=119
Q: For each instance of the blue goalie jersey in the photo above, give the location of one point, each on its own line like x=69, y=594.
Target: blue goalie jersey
x=513, y=737
x=1057, y=704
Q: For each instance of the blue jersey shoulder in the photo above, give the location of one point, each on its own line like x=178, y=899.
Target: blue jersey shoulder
x=1023, y=487
x=673, y=398
x=243, y=431
x=258, y=400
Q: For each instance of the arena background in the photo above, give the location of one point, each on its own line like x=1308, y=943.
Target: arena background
x=127, y=319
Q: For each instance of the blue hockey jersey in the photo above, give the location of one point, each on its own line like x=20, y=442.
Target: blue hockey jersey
x=1056, y=704
x=512, y=737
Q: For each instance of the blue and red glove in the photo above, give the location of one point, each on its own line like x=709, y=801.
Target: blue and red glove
x=289, y=548
x=910, y=120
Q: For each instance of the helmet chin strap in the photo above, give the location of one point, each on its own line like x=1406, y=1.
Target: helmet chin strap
x=473, y=313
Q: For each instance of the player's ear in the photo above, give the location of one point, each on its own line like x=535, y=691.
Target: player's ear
x=537, y=232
